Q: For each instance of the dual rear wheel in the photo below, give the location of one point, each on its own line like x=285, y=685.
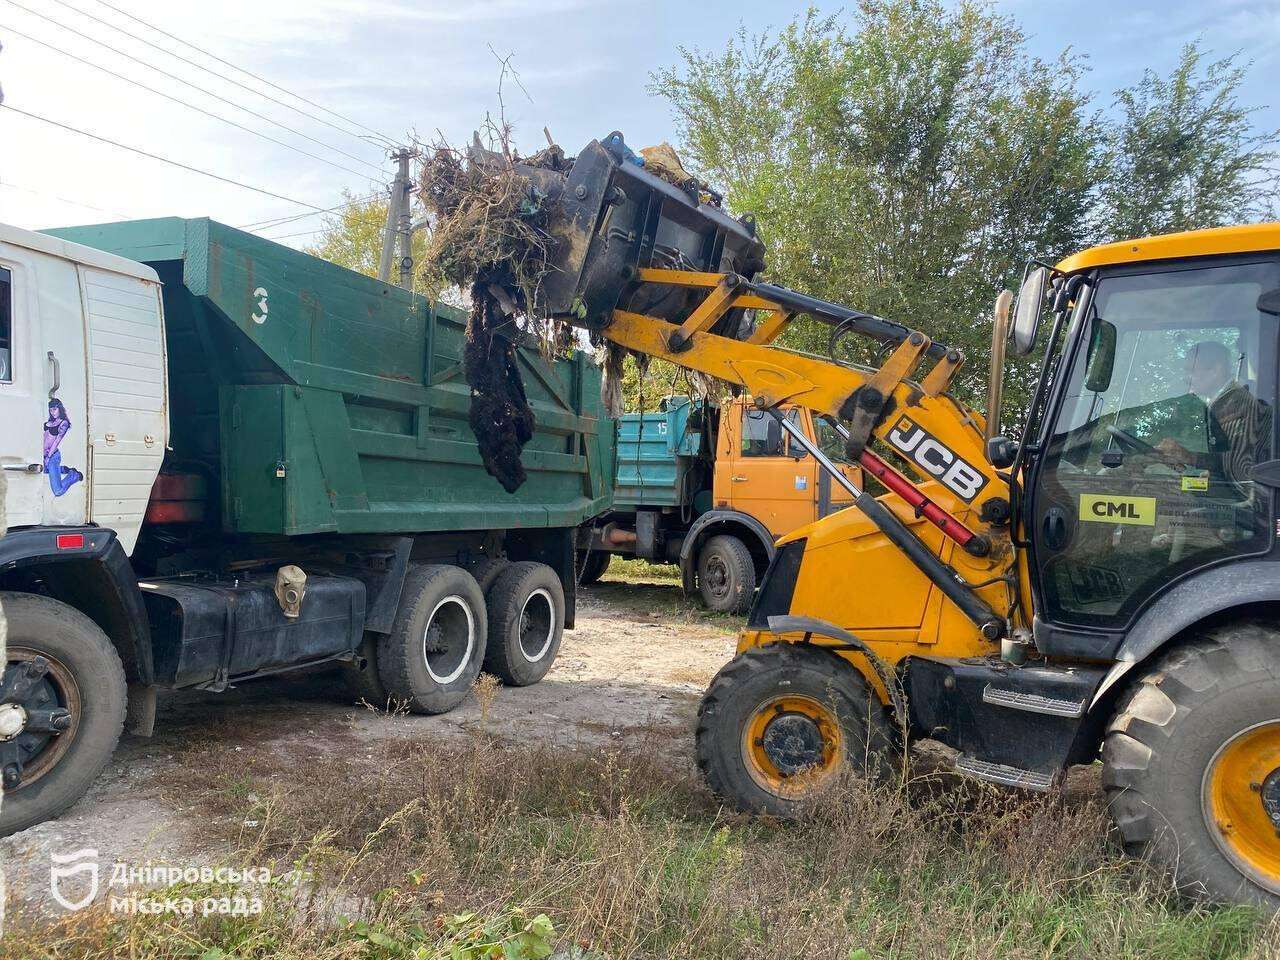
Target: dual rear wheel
x=506, y=618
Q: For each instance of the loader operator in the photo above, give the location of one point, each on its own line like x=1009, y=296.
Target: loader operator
x=1235, y=420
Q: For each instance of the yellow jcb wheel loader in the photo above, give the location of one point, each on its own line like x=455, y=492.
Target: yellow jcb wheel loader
x=1106, y=584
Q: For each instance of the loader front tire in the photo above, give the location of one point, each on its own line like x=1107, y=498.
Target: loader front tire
x=1192, y=766
x=780, y=723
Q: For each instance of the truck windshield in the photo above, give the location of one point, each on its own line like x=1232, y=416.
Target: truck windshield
x=830, y=442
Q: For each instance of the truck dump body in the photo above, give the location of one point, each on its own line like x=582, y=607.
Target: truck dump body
x=329, y=402
x=655, y=452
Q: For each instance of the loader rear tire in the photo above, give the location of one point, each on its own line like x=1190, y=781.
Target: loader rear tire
x=432, y=656
x=1192, y=766
x=780, y=723
x=726, y=575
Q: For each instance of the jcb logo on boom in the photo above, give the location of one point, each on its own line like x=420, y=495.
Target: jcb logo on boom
x=961, y=478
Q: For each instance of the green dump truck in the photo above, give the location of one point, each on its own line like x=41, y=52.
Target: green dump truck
x=253, y=461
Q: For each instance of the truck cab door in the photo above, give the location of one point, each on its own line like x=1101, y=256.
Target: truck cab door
x=758, y=474
x=43, y=448
x=1165, y=405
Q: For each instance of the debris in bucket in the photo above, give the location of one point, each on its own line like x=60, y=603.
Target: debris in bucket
x=502, y=228
x=488, y=236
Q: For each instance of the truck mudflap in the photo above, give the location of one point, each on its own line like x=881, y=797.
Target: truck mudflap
x=210, y=632
x=1017, y=725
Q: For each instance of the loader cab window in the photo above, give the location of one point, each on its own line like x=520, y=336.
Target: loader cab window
x=1168, y=405
x=762, y=435
x=6, y=326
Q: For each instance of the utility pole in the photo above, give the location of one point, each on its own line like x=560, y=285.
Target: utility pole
x=398, y=230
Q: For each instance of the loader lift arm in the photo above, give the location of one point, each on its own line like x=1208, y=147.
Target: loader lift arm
x=884, y=403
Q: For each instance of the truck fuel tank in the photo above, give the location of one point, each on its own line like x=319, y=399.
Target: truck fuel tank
x=209, y=631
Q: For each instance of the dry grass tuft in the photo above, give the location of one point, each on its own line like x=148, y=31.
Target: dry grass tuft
x=637, y=860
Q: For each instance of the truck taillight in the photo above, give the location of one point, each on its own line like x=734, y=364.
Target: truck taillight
x=69, y=541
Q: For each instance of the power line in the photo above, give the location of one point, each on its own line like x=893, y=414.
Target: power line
x=54, y=196
x=194, y=86
x=154, y=156
x=183, y=103
x=281, y=221
x=198, y=66
x=303, y=233
x=249, y=73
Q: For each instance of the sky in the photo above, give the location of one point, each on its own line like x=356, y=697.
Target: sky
x=402, y=67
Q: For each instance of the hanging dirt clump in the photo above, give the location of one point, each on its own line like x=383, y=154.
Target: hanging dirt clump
x=488, y=237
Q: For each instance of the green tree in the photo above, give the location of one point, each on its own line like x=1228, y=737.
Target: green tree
x=352, y=235
x=1183, y=153
x=906, y=160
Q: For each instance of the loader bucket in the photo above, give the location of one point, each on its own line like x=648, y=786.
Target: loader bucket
x=611, y=218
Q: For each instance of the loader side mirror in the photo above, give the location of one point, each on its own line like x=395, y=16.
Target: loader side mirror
x=995, y=380
x=1026, y=315
x=1102, y=356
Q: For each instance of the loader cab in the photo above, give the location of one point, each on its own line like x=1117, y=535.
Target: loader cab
x=1146, y=463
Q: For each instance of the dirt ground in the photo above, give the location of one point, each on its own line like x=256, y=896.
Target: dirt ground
x=634, y=668
x=632, y=672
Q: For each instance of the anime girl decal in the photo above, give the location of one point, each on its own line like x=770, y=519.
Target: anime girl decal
x=61, y=478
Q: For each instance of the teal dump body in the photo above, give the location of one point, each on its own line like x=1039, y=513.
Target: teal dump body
x=653, y=453
x=329, y=402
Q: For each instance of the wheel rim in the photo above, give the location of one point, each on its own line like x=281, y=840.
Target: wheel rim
x=57, y=688
x=537, y=625
x=1240, y=798
x=792, y=745
x=449, y=639
x=716, y=576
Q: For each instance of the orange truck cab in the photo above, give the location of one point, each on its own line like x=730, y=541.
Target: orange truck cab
x=710, y=487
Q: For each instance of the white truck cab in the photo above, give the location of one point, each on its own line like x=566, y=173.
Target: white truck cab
x=83, y=424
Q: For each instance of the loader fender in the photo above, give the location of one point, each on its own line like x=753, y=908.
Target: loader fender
x=1189, y=601
x=745, y=527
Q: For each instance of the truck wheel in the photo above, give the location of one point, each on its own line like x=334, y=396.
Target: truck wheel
x=487, y=571
x=779, y=723
x=433, y=654
x=62, y=706
x=592, y=565
x=1192, y=766
x=362, y=677
x=726, y=575
x=526, y=622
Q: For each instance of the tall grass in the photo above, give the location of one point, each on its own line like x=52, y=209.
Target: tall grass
x=635, y=860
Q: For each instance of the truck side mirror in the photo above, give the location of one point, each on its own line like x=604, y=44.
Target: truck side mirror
x=995, y=380
x=1026, y=315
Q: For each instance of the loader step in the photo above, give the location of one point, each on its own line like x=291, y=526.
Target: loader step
x=1032, y=702
x=1004, y=775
